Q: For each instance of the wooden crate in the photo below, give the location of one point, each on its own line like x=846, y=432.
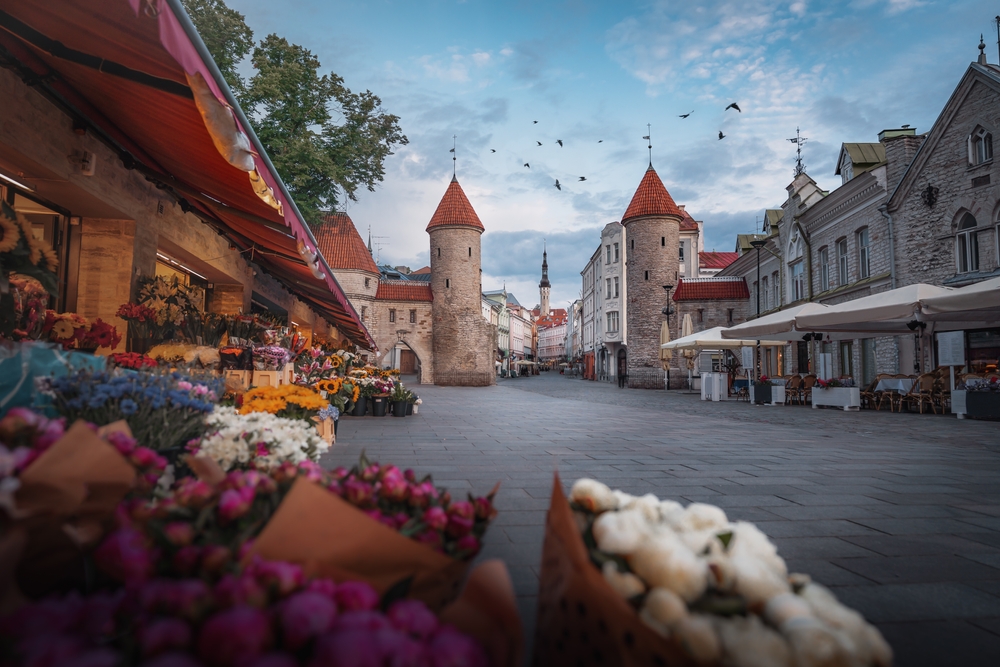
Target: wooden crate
x=243, y=377
x=268, y=378
x=326, y=430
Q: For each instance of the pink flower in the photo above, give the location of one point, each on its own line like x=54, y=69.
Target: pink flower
x=233, y=591
x=214, y=557
x=462, y=508
x=357, y=492
x=179, y=533
x=164, y=634
x=431, y=538
x=174, y=597
x=172, y=660
x=234, y=503
x=261, y=449
x=234, y=637
x=305, y=615
x=459, y=526
x=143, y=457
x=340, y=472
x=468, y=546
x=186, y=559
x=284, y=576
x=95, y=657
x=184, y=385
x=484, y=509
x=126, y=556
x=123, y=443
x=347, y=649
x=410, y=475
x=200, y=390
x=436, y=518
x=422, y=494
x=355, y=596
x=192, y=492
x=324, y=587
x=48, y=617
x=394, y=485
x=450, y=648
x=274, y=659
x=370, y=473
x=413, y=617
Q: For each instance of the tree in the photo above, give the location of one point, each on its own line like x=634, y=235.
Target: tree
x=320, y=136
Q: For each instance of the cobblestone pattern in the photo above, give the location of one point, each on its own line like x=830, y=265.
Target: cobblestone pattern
x=898, y=513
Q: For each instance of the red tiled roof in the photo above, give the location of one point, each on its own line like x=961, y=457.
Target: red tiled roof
x=455, y=209
x=420, y=272
x=341, y=245
x=651, y=198
x=708, y=289
x=403, y=290
x=688, y=223
x=555, y=317
x=717, y=260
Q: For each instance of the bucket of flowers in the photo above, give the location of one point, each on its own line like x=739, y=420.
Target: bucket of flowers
x=400, y=398
x=132, y=360
x=290, y=401
x=381, y=390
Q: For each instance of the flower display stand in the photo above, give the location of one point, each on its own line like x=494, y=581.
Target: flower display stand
x=770, y=394
x=975, y=404
x=242, y=377
x=288, y=374
x=848, y=398
x=327, y=430
x=268, y=378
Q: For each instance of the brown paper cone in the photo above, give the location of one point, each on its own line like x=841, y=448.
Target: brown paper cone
x=206, y=469
x=581, y=620
x=332, y=538
x=487, y=610
x=78, y=467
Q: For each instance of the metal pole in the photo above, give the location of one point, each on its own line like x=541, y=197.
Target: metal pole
x=758, y=309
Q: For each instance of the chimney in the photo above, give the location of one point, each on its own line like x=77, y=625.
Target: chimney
x=901, y=144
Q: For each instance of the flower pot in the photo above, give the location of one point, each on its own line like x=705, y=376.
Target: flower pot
x=761, y=392
x=409, y=409
x=361, y=407
x=379, y=405
x=399, y=408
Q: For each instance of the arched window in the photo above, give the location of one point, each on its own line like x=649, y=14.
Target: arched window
x=980, y=146
x=967, y=245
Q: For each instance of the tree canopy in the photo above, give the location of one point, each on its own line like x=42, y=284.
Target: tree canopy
x=322, y=138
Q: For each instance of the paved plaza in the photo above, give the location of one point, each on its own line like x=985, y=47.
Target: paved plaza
x=898, y=513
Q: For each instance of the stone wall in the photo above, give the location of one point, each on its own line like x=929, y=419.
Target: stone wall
x=105, y=277
x=463, y=341
x=418, y=336
x=653, y=261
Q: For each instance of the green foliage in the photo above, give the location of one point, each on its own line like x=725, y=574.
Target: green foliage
x=322, y=137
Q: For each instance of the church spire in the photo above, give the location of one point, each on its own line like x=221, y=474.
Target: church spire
x=544, y=286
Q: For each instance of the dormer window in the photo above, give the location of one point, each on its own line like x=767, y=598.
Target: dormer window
x=846, y=168
x=980, y=146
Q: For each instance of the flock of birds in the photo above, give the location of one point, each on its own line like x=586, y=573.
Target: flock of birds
x=558, y=185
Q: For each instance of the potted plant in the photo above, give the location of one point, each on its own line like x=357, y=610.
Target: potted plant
x=762, y=390
x=381, y=390
x=411, y=400
x=837, y=393
x=400, y=399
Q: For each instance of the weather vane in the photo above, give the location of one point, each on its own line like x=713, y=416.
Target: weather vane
x=454, y=156
x=799, y=142
x=649, y=142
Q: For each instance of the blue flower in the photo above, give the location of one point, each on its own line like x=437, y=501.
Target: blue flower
x=128, y=407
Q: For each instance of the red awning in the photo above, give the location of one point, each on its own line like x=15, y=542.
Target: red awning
x=133, y=70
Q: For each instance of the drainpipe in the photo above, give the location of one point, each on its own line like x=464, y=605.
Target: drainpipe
x=884, y=210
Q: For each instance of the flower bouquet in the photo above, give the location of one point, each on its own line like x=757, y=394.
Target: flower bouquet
x=827, y=384
x=164, y=411
x=23, y=253
x=270, y=357
x=243, y=330
x=288, y=400
x=25, y=315
x=680, y=585
x=257, y=440
x=203, y=328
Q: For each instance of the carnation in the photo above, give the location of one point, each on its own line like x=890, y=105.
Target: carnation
x=265, y=440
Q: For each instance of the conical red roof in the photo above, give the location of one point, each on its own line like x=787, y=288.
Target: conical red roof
x=651, y=198
x=455, y=209
x=341, y=245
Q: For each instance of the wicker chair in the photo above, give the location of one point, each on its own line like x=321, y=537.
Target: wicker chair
x=868, y=397
x=793, y=389
x=808, y=382
x=922, y=393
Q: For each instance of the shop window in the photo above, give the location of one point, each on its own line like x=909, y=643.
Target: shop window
x=824, y=269
x=967, y=245
x=980, y=146
x=392, y=314
x=842, y=262
x=846, y=359
x=864, y=254
x=413, y=317
x=983, y=350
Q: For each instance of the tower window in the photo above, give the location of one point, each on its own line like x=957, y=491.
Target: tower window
x=447, y=282
x=439, y=252
x=633, y=244
x=368, y=282
x=392, y=314
x=470, y=252
x=364, y=312
x=647, y=275
x=663, y=241
x=413, y=317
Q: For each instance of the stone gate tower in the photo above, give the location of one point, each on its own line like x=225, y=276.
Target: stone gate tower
x=463, y=339
x=544, y=286
x=652, y=234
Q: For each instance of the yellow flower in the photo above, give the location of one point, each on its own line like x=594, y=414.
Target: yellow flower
x=63, y=329
x=34, y=248
x=9, y=235
x=51, y=259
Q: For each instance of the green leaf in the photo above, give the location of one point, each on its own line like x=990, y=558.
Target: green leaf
x=725, y=538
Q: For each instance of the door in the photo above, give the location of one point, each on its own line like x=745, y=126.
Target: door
x=407, y=362
x=803, y=356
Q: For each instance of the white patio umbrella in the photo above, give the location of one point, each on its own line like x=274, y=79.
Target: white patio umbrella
x=885, y=312
x=711, y=339
x=687, y=328
x=664, y=338
x=781, y=324
x=974, y=302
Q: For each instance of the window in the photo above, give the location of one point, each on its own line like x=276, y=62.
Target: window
x=663, y=241
x=439, y=252
x=470, y=252
x=842, y=262
x=776, y=289
x=364, y=312
x=846, y=168
x=967, y=245
x=647, y=275
x=633, y=244
x=680, y=252
x=764, y=293
x=864, y=254
x=608, y=288
x=729, y=316
x=368, y=282
x=392, y=314
x=824, y=269
x=413, y=317
x=701, y=315
x=798, y=281
x=846, y=358
x=613, y=321
x=447, y=282
x=607, y=257
x=616, y=286
x=980, y=146
x=616, y=252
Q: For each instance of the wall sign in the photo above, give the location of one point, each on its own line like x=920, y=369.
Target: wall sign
x=951, y=348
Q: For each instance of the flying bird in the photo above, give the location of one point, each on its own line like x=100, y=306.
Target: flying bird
x=734, y=106
x=451, y=150
x=493, y=150
x=721, y=135
x=558, y=186
x=685, y=115
x=535, y=122
x=559, y=141
x=600, y=141
x=583, y=178
x=539, y=143
x=527, y=165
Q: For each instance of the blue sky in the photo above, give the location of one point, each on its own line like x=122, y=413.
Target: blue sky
x=593, y=72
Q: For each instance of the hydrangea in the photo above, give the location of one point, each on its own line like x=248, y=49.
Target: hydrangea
x=267, y=441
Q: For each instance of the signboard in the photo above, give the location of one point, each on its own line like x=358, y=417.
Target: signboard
x=951, y=348
x=747, y=359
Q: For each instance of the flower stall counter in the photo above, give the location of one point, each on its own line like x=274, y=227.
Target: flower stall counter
x=848, y=398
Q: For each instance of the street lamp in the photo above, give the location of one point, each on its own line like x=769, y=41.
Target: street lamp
x=758, y=244
x=668, y=311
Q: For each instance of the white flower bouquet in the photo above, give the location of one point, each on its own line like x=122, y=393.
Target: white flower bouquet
x=259, y=440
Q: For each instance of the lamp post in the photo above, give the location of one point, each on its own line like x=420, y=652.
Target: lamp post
x=758, y=244
x=668, y=310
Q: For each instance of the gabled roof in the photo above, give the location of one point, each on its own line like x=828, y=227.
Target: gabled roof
x=773, y=216
x=716, y=288
x=687, y=222
x=864, y=157
x=403, y=290
x=743, y=241
x=717, y=260
x=341, y=244
x=455, y=209
x=651, y=198
x=420, y=272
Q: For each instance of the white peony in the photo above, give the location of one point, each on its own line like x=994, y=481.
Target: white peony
x=232, y=439
x=698, y=638
x=625, y=584
x=620, y=532
x=701, y=516
x=746, y=642
x=868, y=645
x=666, y=561
x=664, y=607
x=593, y=495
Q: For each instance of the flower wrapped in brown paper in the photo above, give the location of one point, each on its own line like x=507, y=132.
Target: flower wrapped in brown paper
x=331, y=538
x=487, y=610
x=581, y=619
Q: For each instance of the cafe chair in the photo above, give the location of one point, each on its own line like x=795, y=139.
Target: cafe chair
x=921, y=394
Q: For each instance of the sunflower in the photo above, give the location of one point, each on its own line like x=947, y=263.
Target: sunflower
x=9, y=235
x=335, y=362
x=34, y=249
x=51, y=259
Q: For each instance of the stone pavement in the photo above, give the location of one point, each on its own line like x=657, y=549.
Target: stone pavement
x=898, y=513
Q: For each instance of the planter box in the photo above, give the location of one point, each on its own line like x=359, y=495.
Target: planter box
x=761, y=393
x=243, y=377
x=268, y=378
x=976, y=404
x=327, y=430
x=777, y=396
x=848, y=398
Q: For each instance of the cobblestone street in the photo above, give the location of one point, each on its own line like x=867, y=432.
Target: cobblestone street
x=899, y=513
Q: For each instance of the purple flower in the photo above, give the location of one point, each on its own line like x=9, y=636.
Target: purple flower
x=126, y=556
x=413, y=617
x=172, y=660
x=436, y=518
x=355, y=596
x=361, y=621
x=305, y=615
x=232, y=591
x=346, y=649
x=164, y=634
x=323, y=586
x=174, y=597
x=450, y=648
x=234, y=637
x=357, y=492
x=284, y=576
x=95, y=657
x=468, y=546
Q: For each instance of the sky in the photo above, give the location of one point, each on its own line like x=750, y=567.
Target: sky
x=593, y=75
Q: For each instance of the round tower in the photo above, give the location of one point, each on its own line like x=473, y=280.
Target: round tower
x=463, y=340
x=652, y=239
x=544, y=286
